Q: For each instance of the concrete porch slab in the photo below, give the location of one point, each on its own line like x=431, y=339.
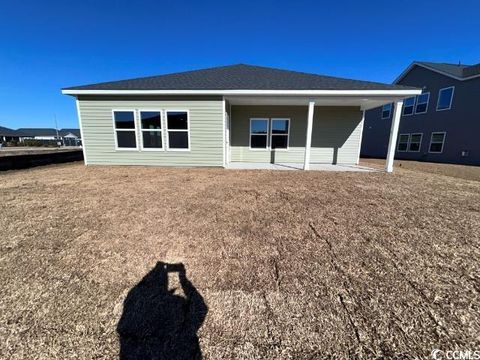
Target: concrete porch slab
x=297, y=166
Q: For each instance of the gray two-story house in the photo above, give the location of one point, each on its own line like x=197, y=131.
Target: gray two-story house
x=440, y=125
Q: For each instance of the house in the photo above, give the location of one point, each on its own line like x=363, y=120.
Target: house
x=71, y=137
x=440, y=125
x=8, y=135
x=67, y=137
x=230, y=115
x=47, y=134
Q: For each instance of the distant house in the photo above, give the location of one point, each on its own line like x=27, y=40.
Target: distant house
x=230, y=116
x=441, y=125
x=71, y=137
x=68, y=137
x=7, y=135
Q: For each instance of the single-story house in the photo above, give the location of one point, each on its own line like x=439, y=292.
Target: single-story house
x=229, y=115
x=7, y=135
x=68, y=137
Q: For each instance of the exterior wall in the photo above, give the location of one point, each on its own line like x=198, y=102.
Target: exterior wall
x=335, y=136
x=206, y=131
x=461, y=122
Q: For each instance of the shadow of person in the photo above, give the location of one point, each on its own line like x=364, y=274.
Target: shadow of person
x=158, y=324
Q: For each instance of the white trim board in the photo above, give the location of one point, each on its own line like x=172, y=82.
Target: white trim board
x=248, y=92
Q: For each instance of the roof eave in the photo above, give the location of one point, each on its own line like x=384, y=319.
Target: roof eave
x=390, y=92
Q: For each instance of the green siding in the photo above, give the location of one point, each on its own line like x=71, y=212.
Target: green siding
x=206, y=131
x=336, y=134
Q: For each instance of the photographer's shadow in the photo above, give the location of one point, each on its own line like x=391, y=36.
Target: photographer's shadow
x=158, y=324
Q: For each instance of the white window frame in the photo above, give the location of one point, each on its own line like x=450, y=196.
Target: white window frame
x=443, y=142
x=451, y=98
x=389, y=111
x=136, y=148
x=427, y=102
x=145, y=130
x=267, y=147
x=271, y=134
x=410, y=142
x=167, y=130
x=413, y=106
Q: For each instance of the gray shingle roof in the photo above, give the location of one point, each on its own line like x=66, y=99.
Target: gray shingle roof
x=75, y=132
x=4, y=131
x=457, y=70
x=38, y=131
x=47, y=132
x=240, y=77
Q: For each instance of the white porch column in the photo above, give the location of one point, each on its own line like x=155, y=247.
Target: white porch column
x=308, y=139
x=392, y=143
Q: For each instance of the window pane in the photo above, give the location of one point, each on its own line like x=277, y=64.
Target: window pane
x=124, y=119
x=258, y=126
x=152, y=139
x=402, y=147
x=126, y=139
x=409, y=101
x=403, y=138
x=177, y=120
x=423, y=98
x=150, y=120
x=437, y=137
x=178, y=140
x=421, y=108
x=258, y=141
x=444, y=98
x=279, y=141
x=414, y=146
x=416, y=138
x=408, y=110
x=436, y=147
x=280, y=127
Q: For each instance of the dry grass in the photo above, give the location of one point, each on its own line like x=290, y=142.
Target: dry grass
x=453, y=170
x=290, y=264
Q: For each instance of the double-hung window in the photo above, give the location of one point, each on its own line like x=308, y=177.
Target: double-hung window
x=403, y=142
x=436, y=142
x=258, y=133
x=125, y=129
x=178, y=128
x=415, y=142
x=422, y=103
x=279, y=133
x=151, y=129
x=408, y=106
x=386, y=111
x=445, y=97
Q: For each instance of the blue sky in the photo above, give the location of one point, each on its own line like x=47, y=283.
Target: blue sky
x=47, y=45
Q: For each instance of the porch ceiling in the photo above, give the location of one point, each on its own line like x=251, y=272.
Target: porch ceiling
x=365, y=102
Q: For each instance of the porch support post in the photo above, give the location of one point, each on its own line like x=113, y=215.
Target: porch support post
x=392, y=143
x=308, y=139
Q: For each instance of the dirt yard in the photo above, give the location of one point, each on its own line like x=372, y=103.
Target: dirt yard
x=138, y=262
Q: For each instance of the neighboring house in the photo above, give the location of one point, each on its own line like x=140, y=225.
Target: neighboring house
x=71, y=137
x=440, y=125
x=7, y=135
x=68, y=137
x=237, y=113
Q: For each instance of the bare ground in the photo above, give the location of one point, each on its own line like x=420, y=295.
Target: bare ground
x=289, y=264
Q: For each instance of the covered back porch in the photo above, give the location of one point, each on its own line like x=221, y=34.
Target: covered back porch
x=298, y=132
